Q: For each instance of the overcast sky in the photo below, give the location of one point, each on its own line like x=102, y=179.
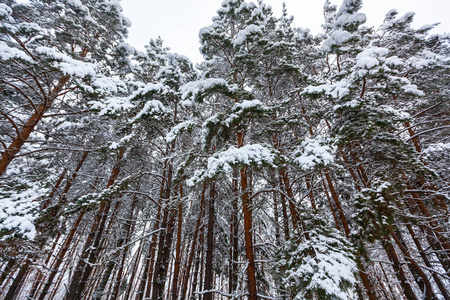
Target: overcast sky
x=178, y=22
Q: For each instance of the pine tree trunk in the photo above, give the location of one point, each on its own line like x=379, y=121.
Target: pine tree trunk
x=178, y=247
x=165, y=241
x=210, y=244
x=404, y=282
x=135, y=265
x=10, y=153
x=147, y=270
x=284, y=210
x=248, y=226
x=85, y=265
x=18, y=281
x=193, y=245
x=424, y=256
x=60, y=256
x=6, y=272
x=335, y=197
x=123, y=240
x=420, y=277
x=292, y=206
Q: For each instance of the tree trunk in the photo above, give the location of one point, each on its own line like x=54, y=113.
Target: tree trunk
x=404, y=282
x=123, y=240
x=18, y=281
x=178, y=247
x=193, y=245
x=210, y=243
x=248, y=220
x=10, y=153
x=84, y=266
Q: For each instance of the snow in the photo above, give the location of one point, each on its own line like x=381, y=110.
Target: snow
x=248, y=104
x=337, y=38
x=125, y=139
x=152, y=107
x=394, y=61
x=111, y=106
x=368, y=60
x=391, y=23
x=78, y=5
x=68, y=65
x=5, y=11
x=7, y=52
x=321, y=263
x=336, y=90
x=412, y=89
x=314, y=152
x=244, y=34
x=104, y=84
x=254, y=154
x=349, y=19
x=192, y=89
x=439, y=147
x=178, y=129
x=18, y=210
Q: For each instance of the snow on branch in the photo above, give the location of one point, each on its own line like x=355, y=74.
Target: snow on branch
x=249, y=155
x=198, y=90
x=314, y=152
x=7, y=53
x=179, y=129
x=18, y=210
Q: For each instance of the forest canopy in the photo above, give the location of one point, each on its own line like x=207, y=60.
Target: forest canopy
x=286, y=165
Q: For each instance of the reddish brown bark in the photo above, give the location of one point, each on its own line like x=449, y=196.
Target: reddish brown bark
x=209, y=275
x=10, y=153
x=193, y=245
x=337, y=202
x=248, y=220
x=176, y=270
x=404, y=282
x=84, y=266
x=292, y=207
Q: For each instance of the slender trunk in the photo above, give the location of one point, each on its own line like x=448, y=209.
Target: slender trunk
x=337, y=202
x=276, y=217
x=333, y=212
x=343, y=219
x=18, y=281
x=432, y=230
x=234, y=235
x=60, y=255
x=420, y=277
x=118, y=279
x=404, y=282
x=10, y=153
x=54, y=190
x=196, y=268
x=6, y=272
x=88, y=258
x=136, y=260
x=284, y=210
x=146, y=278
x=123, y=240
x=178, y=247
x=248, y=220
x=427, y=262
x=292, y=206
x=193, y=245
x=310, y=193
x=210, y=243
x=165, y=240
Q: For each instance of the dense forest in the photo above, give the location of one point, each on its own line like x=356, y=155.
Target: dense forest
x=286, y=165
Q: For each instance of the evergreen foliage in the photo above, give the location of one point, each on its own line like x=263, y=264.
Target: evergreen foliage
x=286, y=165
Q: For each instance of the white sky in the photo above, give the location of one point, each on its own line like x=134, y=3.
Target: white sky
x=178, y=22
